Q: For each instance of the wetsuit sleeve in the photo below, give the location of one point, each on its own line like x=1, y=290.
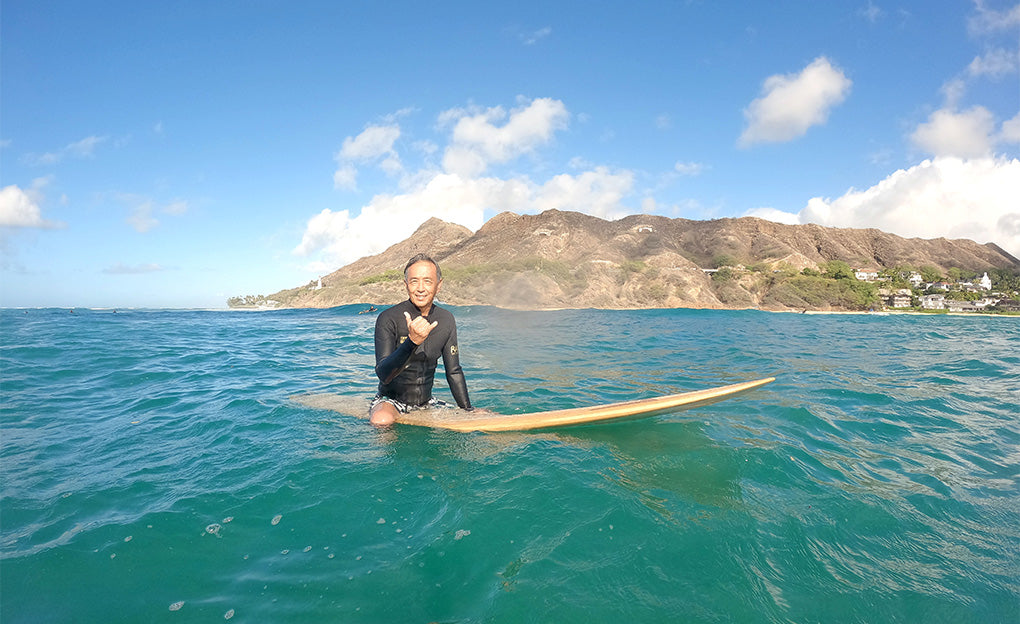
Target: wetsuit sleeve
x=454, y=373
x=390, y=357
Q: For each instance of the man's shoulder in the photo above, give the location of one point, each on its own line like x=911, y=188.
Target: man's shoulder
x=439, y=312
x=396, y=311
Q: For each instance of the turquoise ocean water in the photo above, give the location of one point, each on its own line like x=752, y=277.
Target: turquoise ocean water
x=157, y=468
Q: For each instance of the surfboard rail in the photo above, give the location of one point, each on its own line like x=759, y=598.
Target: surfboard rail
x=588, y=415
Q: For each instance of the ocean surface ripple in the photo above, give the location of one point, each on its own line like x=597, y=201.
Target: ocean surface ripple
x=168, y=466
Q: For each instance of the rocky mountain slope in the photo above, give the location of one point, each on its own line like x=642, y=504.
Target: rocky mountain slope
x=572, y=260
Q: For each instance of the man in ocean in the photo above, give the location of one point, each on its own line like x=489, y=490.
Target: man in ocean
x=409, y=338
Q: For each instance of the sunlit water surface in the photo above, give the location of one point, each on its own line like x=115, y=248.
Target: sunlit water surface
x=160, y=466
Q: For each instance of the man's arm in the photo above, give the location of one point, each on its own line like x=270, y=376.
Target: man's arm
x=390, y=357
x=454, y=373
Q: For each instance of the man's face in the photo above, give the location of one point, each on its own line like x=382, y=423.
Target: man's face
x=422, y=284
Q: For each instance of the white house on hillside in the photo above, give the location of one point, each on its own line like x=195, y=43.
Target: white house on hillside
x=986, y=283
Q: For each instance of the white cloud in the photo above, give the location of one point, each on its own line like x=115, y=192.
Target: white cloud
x=996, y=63
x=790, y=104
x=84, y=148
x=374, y=142
x=20, y=208
x=389, y=219
x=966, y=134
x=945, y=197
x=971, y=133
x=337, y=238
x=477, y=141
x=322, y=230
x=1011, y=130
x=774, y=214
x=598, y=192
x=477, y=138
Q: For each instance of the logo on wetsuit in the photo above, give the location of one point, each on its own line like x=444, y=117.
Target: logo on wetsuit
x=453, y=349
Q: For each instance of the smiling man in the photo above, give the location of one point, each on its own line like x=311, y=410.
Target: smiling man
x=409, y=339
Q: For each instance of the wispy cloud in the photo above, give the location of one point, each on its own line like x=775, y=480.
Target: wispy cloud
x=143, y=211
x=141, y=217
x=531, y=38
x=138, y=269
x=872, y=12
x=986, y=21
x=84, y=148
x=996, y=63
x=689, y=168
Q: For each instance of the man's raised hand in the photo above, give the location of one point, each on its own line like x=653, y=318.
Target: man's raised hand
x=419, y=328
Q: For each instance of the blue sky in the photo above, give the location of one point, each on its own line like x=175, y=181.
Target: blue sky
x=176, y=154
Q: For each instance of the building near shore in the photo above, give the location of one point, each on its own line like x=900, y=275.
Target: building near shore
x=866, y=275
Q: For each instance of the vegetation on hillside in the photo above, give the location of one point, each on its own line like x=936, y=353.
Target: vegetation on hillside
x=760, y=284
x=833, y=287
x=389, y=276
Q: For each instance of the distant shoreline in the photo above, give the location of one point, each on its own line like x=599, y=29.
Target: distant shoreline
x=901, y=313
x=559, y=309
x=269, y=309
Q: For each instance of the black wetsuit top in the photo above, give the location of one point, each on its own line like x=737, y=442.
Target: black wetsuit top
x=406, y=371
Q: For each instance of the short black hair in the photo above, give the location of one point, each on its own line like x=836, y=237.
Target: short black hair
x=423, y=257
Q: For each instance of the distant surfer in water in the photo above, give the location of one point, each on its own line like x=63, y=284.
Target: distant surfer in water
x=409, y=339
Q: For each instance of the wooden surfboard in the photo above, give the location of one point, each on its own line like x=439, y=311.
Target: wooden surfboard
x=457, y=420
